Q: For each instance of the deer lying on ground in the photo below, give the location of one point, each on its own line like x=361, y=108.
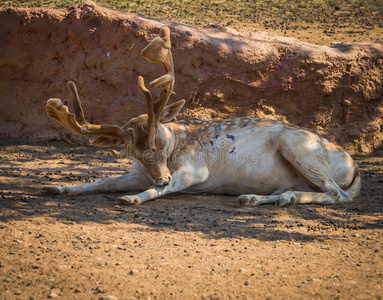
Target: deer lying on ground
x=261, y=161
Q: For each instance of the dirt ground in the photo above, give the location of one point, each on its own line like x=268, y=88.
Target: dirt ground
x=179, y=246
x=182, y=246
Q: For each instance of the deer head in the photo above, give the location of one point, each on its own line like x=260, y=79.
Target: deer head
x=144, y=137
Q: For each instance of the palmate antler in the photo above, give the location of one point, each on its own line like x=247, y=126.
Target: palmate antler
x=159, y=52
x=76, y=122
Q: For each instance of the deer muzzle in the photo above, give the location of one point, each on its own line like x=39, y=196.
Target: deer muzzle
x=163, y=181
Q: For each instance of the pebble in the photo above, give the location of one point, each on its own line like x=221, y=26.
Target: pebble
x=53, y=294
x=133, y=271
x=108, y=298
x=242, y=270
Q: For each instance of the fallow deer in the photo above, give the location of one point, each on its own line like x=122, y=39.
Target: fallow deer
x=261, y=161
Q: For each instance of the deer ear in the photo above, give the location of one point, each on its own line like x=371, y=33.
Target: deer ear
x=129, y=136
x=170, y=111
x=106, y=142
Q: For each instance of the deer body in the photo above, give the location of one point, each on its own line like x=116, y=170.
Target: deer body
x=239, y=156
x=261, y=161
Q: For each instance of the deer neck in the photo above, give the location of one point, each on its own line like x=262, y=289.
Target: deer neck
x=186, y=133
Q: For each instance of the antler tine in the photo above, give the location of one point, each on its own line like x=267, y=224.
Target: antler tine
x=76, y=122
x=153, y=125
x=79, y=113
x=158, y=51
x=148, y=97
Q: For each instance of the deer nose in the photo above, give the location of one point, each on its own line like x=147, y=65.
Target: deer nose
x=164, y=181
x=167, y=180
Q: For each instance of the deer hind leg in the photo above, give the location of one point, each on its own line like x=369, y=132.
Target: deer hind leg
x=256, y=200
x=316, y=173
x=315, y=167
x=132, y=181
x=331, y=194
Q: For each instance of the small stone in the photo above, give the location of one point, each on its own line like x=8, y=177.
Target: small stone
x=110, y=297
x=53, y=294
x=133, y=271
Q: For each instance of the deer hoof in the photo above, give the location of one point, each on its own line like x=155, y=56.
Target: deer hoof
x=287, y=198
x=285, y=201
x=282, y=202
x=53, y=190
x=130, y=200
x=246, y=200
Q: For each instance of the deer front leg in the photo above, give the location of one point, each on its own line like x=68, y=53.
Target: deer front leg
x=181, y=180
x=132, y=181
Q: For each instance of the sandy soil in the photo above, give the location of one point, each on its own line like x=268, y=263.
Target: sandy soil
x=179, y=246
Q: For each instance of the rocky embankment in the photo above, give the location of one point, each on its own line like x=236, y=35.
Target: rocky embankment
x=220, y=72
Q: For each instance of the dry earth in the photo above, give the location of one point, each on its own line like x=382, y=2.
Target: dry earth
x=180, y=246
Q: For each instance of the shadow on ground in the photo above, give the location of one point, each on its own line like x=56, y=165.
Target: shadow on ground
x=26, y=168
